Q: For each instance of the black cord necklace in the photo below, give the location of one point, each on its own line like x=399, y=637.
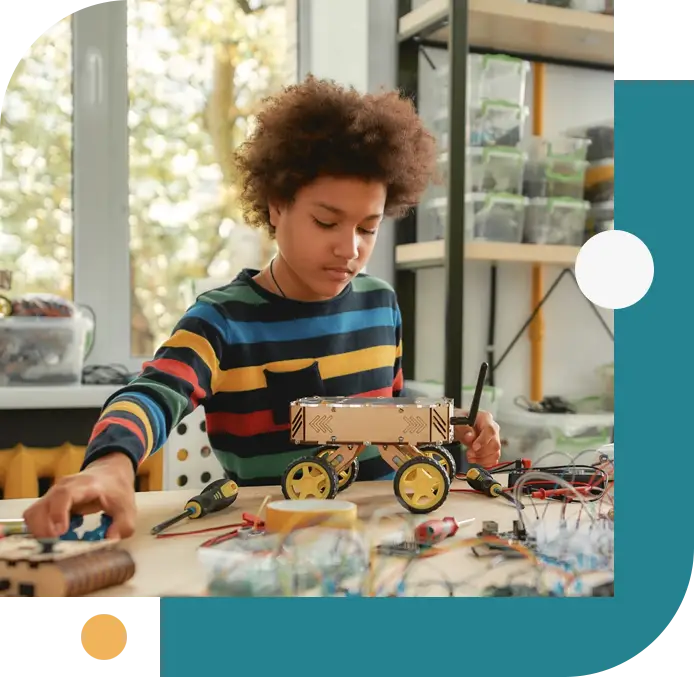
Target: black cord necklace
x=274, y=280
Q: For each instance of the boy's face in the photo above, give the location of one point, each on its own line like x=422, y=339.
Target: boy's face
x=327, y=234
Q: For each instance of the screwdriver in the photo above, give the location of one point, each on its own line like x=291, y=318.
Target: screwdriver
x=214, y=497
x=481, y=480
x=434, y=531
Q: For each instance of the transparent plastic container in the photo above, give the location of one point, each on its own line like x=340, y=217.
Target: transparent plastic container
x=599, y=181
x=272, y=565
x=549, y=438
x=495, y=169
x=601, y=137
x=555, y=177
x=432, y=215
x=43, y=350
x=559, y=147
x=495, y=77
x=497, y=123
x=556, y=221
x=600, y=218
x=497, y=217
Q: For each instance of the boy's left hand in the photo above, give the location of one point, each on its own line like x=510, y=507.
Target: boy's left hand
x=483, y=442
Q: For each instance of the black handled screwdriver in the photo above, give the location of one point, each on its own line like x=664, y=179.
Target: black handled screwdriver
x=214, y=497
x=481, y=480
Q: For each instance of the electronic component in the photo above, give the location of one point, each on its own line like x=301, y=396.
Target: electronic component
x=603, y=590
x=60, y=568
x=515, y=591
x=519, y=535
x=593, y=480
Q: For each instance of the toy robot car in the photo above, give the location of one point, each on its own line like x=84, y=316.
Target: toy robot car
x=408, y=432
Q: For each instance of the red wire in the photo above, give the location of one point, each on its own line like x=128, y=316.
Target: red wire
x=201, y=531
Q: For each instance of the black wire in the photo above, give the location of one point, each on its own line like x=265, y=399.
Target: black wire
x=536, y=310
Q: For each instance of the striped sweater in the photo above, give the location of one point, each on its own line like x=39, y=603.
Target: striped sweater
x=243, y=354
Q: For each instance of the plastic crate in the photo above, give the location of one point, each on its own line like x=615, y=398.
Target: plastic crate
x=600, y=218
x=599, y=181
x=497, y=217
x=556, y=221
x=43, y=350
x=493, y=169
x=554, y=178
x=497, y=123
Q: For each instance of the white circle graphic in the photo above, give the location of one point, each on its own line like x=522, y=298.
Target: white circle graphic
x=614, y=269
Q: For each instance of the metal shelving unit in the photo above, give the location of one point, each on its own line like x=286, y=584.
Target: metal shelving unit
x=530, y=31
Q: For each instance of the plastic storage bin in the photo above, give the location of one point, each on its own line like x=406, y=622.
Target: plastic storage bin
x=495, y=77
x=43, y=350
x=599, y=181
x=497, y=123
x=600, y=218
x=555, y=177
x=496, y=217
x=543, y=148
x=549, y=438
x=601, y=140
x=555, y=221
x=495, y=169
x=432, y=214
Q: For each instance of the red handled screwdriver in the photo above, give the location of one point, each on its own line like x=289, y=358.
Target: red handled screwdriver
x=434, y=531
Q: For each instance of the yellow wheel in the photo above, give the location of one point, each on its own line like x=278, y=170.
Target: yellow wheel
x=346, y=476
x=309, y=477
x=442, y=456
x=421, y=485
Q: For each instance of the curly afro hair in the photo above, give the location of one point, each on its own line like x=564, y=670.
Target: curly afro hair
x=319, y=128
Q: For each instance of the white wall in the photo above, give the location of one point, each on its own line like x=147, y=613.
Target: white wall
x=355, y=43
x=575, y=342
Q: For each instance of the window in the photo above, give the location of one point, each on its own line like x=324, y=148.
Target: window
x=197, y=72
x=36, y=168
x=117, y=187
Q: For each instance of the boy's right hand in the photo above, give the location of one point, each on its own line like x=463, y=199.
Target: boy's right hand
x=105, y=485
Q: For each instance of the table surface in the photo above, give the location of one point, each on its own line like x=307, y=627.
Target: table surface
x=170, y=567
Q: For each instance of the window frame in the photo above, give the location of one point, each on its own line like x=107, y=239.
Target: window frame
x=100, y=161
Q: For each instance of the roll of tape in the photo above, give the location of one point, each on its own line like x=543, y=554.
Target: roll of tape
x=283, y=516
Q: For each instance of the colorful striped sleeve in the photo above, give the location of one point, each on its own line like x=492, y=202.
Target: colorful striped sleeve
x=398, y=379
x=137, y=419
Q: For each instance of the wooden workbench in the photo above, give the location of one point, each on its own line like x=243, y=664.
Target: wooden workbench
x=169, y=567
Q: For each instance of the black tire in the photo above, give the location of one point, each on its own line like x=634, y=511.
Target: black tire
x=434, y=467
x=438, y=452
x=331, y=490
x=352, y=470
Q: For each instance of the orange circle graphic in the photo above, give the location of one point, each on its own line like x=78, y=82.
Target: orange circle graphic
x=104, y=637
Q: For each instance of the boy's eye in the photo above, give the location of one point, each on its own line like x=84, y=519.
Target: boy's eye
x=322, y=224
x=368, y=232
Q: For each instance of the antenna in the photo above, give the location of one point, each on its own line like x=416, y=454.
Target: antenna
x=474, y=406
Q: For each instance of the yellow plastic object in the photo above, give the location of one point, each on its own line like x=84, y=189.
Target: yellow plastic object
x=21, y=467
x=285, y=516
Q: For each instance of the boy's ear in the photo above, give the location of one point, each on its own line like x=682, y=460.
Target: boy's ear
x=275, y=213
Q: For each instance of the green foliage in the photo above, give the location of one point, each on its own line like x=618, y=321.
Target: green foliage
x=197, y=72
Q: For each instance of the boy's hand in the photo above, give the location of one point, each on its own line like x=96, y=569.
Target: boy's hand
x=483, y=442
x=107, y=484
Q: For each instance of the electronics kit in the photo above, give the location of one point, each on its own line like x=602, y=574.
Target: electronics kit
x=319, y=546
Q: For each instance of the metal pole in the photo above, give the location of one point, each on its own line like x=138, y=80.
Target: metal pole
x=455, y=225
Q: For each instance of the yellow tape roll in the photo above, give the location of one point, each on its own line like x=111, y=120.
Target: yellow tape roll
x=284, y=516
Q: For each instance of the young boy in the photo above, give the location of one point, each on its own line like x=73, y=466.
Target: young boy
x=323, y=167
